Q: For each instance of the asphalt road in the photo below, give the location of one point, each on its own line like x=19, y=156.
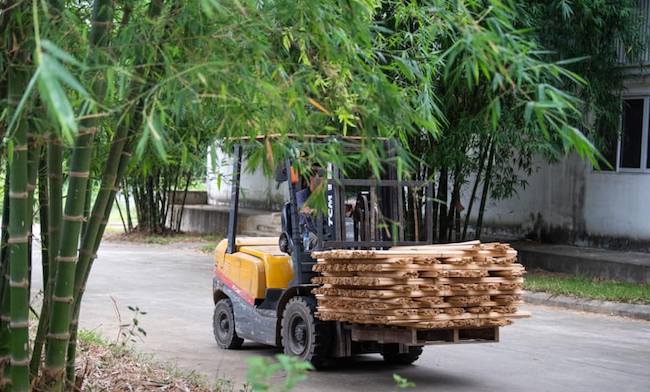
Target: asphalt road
x=555, y=350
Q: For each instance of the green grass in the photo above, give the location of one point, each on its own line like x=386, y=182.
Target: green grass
x=91, y=337
x=165, y=239
x=209, y=248
x=588, y=288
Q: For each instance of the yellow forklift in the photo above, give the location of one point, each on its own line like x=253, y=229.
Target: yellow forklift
x=262, y=286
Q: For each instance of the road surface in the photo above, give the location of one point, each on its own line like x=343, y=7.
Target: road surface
x=554, y=350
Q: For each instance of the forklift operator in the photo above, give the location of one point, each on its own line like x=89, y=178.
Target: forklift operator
x=307, y=223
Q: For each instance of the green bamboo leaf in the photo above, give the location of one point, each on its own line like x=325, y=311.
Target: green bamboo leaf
x=57, y=101
x=142, y=143
x=60, y=54
x=156, y=130
x=61, y=73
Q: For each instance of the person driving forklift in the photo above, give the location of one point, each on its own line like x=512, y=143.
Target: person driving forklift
x=307, y=224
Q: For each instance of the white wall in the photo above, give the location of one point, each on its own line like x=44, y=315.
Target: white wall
x=618, y=204
x=256, y=191
x=573, y=198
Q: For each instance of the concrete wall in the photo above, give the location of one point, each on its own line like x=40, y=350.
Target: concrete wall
x=571, y=203
x=257, y=190
x=192, y=197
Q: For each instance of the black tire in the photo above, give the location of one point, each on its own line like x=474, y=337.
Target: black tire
x=303, y=335
x=285, y=244
x=391, y=354
x=223, y=325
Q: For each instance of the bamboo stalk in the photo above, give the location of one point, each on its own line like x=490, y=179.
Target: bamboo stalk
x=4, y=249
x=19, y=235
x=442, y=197
x=43, y=206
x=87, y=202
x=484, y=196
x=174, y=217
x=54, y=213
x=116, y=166
x=5, y=332
x=150, y=204
x=63, y=294
x=119, y=209
x=127, y=200
x=91, y=240
x=416, y=213
x=44, y=210
x=481, y=164
x=453, y=205
x=5, y=336
x=180, y=214
x=33, y=160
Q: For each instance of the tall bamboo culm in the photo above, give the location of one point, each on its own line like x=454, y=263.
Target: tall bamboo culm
x=46, y=230
x=118, y=160
x=5, y=316
x=63, y=293
x=20, y=212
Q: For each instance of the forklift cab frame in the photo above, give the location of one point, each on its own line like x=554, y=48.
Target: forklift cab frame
x=386, y=194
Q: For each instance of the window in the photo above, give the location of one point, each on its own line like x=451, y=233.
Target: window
x=633, y=143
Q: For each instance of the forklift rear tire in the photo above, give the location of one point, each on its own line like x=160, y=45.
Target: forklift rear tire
x=303, y=335
x=391, y=354
x=223, y=325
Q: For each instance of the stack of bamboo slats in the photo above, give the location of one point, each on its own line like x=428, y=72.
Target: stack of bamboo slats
x=425, y=287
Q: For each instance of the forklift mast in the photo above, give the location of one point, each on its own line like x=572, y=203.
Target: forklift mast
x=385, y=194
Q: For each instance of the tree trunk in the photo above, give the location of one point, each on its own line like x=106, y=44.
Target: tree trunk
x=151, y=208
x=127, y=200
x=63, y=294
x=434, y=214
x=55, y=217
x=119, y=210
x=481, y=164
x=484, y=196
x=453, y=205
x=180, y=215
x=442, y=205
x=173, y=216
x=43, y=203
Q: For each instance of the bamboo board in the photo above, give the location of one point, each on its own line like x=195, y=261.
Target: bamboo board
x=427, y=287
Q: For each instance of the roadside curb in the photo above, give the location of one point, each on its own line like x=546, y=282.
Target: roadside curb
x=641, y=312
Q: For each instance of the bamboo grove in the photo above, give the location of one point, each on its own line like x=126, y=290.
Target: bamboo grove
x=100, y=94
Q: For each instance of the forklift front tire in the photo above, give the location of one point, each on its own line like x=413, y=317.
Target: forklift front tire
x=303, y=335
x=223, y=324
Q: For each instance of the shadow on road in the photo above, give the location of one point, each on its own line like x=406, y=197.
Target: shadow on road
x=369, y=365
